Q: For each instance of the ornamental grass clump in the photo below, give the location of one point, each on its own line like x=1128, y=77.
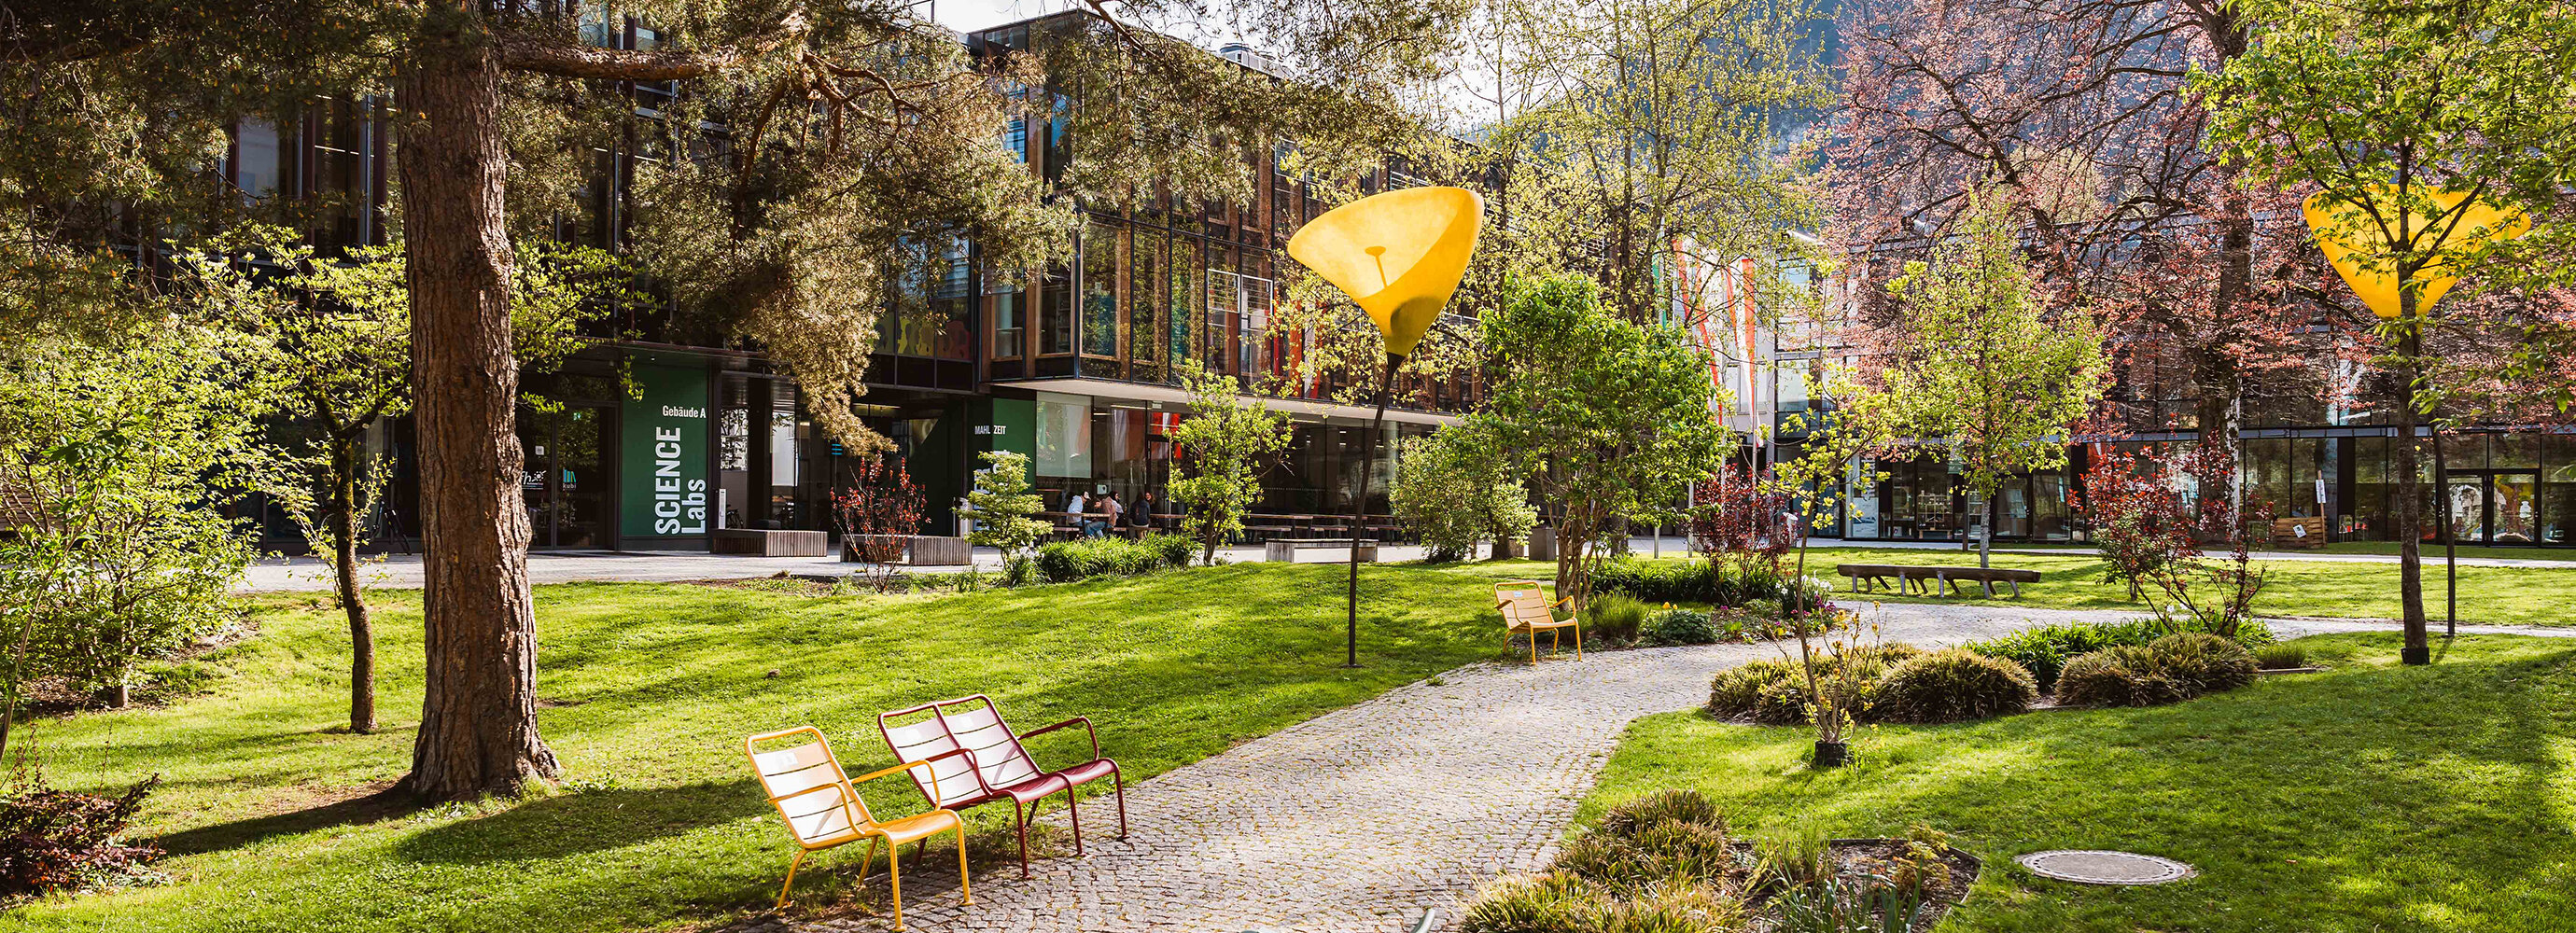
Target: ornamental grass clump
x=1773, y=692
x=1614, y=619
x=1662, y=863
x=2280, y=657
x=2168, y=670
x=1952, y=686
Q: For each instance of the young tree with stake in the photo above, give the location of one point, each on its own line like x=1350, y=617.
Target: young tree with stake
x=1984, y=366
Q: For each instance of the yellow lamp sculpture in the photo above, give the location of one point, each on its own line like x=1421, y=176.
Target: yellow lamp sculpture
x=1399, y=255
x=2350, y=236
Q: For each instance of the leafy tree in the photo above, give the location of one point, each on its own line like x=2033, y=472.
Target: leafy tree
x=1817, y=480
x=118, y=452
x=2381, y=107
x=879, y=514
x=1607, y=417
x=1454, y=495
x=1983, y=365
x=850, y=137
x=1219, y=453
x=335, y=335
x=2082, y=113
x=1002, y=506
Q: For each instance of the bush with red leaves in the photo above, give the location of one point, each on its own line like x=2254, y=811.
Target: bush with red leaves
x=53, y=840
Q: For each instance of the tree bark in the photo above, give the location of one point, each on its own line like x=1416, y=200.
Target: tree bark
x=478, y=724
x=353, y=601
x=2410, y=552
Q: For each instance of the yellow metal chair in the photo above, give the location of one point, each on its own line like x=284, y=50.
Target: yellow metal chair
x=821, y=805
x=1527, y=610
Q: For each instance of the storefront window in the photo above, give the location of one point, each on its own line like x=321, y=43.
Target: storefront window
x=1063, y=435
x=2558, y=489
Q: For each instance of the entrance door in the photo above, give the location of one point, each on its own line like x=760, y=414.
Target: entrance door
x=2513, y=507
x=562, y=475
x=2466, y=499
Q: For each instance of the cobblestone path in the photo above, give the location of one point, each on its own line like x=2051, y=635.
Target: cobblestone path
x=1358, y=820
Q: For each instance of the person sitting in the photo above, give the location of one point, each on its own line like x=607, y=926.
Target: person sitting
x=1109, y=507
x=1073, y=512
x=1140, y=520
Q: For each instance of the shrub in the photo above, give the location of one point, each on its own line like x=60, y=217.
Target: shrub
x=1773, y=691
x=1663, y=806
x=1068, y=561
x=53, y=840
x=1686, y=581
x=1682, y=627
x=1952, y=686
x=1614, y=618
x=1021, y=570
x=2280, y=657
x=2046, y=649
x=1174, y=550
x=2203, y=663
x=1550, y=903
x=2120, y=675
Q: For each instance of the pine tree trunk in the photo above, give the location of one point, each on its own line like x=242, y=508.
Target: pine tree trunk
x=478, y=724
x=353, y=601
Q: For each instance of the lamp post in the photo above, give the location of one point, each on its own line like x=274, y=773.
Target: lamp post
x=2399, y=261
x=1399, y=255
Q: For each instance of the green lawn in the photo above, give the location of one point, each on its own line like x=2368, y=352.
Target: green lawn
x=2344, y=589
x=2367, y=798
x=649, y=689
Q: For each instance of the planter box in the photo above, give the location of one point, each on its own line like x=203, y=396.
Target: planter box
x=1505, y=550
x=940, y=551
x=766, y=542
x=1542, y=543
x=918, y=550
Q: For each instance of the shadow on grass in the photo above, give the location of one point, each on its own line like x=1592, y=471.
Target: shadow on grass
x=383, y=803
x=585, y=821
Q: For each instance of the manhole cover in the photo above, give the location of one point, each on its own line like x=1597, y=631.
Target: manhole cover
x=2095, y=866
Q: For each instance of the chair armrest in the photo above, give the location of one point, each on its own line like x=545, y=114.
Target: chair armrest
x=936, y=797
x=1086, y=727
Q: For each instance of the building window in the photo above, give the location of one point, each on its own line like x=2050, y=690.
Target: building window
x=1010, y=310
x=1063, y=436
x=1055, y=314
x=260, y=166
x=1144, y=333
x=1100, y=291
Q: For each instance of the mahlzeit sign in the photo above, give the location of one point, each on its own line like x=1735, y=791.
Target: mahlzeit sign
x=664, y=455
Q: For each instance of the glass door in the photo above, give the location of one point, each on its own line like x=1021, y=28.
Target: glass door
x=2466, y=499
x=2514, y=507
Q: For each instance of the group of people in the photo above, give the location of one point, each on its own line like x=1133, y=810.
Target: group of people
x=1115, y=515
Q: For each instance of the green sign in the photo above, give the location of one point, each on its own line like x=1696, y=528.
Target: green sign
x=663, y=455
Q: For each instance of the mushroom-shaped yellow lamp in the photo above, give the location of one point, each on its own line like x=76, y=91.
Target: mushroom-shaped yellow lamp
x=2350, y=236
x=1399, y=255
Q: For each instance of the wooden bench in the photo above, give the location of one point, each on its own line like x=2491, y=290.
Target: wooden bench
x=2309, y=532
x=1913, y=579
x=1284, y=550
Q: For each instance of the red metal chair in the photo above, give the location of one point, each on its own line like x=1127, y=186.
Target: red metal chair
x=996, y=766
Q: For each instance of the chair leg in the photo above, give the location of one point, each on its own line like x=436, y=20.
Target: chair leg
x=1020, y=816
x=791, y=879
x=894, y=875
x=1533, y=647
x=1118, y=785
x=1076, y=811
x=1578, y=641
x=869, y=866
x=961, y=863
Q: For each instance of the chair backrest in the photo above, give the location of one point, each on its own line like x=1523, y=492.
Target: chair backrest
x=970, y=723
x=1522, y=602
x=943, y=782
x=805, y=782
x=976, y=726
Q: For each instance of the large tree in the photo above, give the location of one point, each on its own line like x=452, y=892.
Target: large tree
x=1607, y=418
x=2082, y=112
x=803, y=147
x=2383, y=107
